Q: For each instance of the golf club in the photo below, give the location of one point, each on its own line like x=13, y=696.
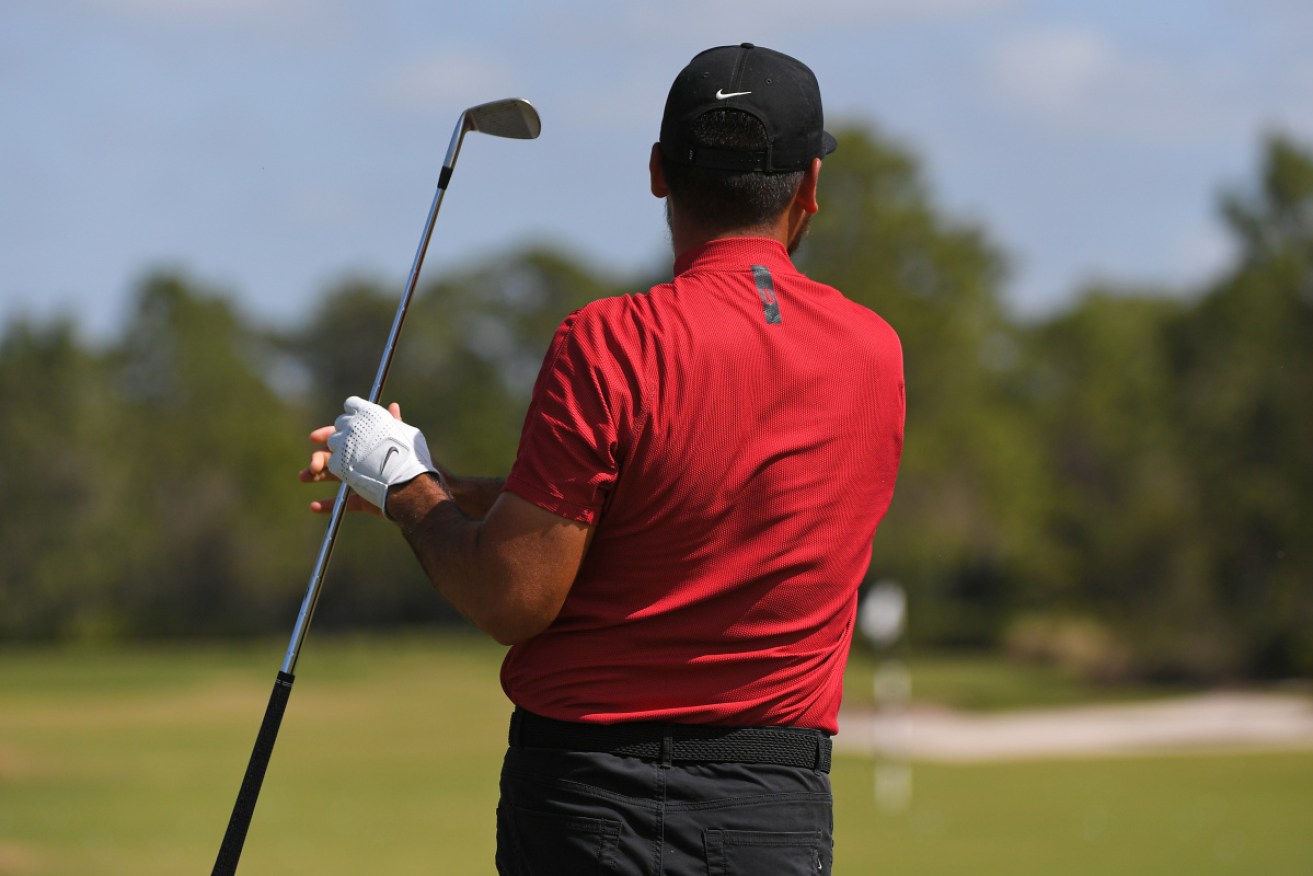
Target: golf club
x=514, y=118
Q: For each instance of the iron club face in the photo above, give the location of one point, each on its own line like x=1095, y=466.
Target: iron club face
x=513, y=117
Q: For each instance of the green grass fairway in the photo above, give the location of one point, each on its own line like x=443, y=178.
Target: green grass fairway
x=127, y=762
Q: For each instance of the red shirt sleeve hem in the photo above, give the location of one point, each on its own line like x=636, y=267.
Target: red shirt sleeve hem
x=549, y=501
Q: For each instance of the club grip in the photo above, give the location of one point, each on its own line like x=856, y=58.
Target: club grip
x=235, y=836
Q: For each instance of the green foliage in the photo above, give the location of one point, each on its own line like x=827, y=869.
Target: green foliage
x=1178, y=435
x=59, y=481
x=1123, y=506
x=1246, y=383
x=1123, y=489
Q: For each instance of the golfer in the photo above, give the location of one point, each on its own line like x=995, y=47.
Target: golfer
x=675, y=555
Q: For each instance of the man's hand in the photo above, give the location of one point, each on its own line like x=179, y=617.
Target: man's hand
x=371, y=449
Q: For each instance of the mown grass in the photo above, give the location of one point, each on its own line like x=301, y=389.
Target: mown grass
x=128, y=761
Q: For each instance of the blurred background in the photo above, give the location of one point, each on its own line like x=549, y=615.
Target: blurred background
x=1091, y=224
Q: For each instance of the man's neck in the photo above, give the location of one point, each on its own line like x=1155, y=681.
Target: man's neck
x=683, y=243
x=685, y=235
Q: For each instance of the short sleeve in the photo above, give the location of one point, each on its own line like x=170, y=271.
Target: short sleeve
x=579, y=417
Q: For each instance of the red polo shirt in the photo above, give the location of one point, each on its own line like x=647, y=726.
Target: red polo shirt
x=734, y=437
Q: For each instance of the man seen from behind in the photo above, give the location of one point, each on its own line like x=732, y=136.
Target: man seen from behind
x=674, y=558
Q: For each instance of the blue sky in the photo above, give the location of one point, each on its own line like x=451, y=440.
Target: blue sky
x=270, y=147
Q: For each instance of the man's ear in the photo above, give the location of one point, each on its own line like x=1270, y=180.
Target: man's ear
x=806, y=197
x=657, y=172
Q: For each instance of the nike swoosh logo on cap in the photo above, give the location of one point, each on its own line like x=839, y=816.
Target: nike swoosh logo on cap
x=720, y=95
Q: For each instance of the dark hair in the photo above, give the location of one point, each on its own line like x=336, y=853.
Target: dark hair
x=727, y=200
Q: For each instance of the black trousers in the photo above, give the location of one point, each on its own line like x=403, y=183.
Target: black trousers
x=578, y=813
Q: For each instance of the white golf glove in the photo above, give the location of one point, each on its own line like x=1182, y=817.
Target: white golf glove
x=372, y=450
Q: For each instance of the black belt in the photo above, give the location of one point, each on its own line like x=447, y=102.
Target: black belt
x=671, y=743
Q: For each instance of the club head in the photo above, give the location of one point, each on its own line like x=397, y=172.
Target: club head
x=513, y=117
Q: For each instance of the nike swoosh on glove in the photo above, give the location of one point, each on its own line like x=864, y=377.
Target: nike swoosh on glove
x=372, y=450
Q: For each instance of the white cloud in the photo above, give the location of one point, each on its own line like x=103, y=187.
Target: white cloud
x=1077, y=81
x=1053, y=71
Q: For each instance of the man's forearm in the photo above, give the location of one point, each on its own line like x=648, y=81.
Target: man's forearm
x=443, y=535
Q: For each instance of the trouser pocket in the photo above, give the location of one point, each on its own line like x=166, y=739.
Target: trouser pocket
x=755, y=852
x=533, y=843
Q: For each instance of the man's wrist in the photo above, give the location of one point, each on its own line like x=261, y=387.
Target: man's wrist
x=407, y=504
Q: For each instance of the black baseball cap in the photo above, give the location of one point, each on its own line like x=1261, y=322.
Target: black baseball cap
x=779, y=91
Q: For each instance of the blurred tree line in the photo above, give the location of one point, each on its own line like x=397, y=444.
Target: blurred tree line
x=1125, y=487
